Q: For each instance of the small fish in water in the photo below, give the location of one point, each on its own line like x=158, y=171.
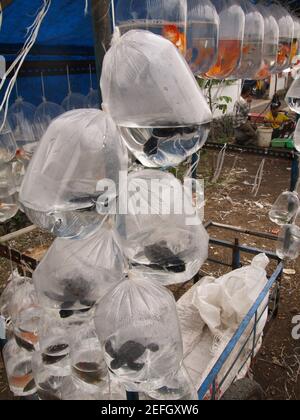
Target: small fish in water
x=173, y=34
x=52, y=356
x=30, y=386
x=24, y=344
x=90, y=372
x=162, y=258
x=128, y=354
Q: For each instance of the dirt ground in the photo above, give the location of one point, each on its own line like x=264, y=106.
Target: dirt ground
x=230, y=201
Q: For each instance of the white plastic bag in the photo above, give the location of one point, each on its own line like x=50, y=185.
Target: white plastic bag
x=154, y=98
x=74, y=274
x=60, y=190
x=138, y=328
x=224, y=303
x=161, y=233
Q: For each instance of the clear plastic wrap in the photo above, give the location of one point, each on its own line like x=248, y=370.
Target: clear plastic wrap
x=73, y=101
x=92, y=100
x=288, y=245
x=131, y=323
x=297, y=132
x=75, y=274
x=60, y=191
x=156, y=235
x=293, y=101
x=232, y=27
x=153, y=97
x=8, y=193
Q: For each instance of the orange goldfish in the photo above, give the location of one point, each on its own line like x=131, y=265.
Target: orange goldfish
x=173, y=34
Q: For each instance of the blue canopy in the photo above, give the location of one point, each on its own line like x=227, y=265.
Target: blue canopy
x=65, y=37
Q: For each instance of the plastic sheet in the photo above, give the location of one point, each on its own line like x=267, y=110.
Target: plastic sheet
x=61, y=190
x=131, y=322
x=75, y=274
x=232, y=26
x=156, y=235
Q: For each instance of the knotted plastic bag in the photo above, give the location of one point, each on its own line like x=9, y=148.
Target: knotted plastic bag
x=61, y=189
x=74, y=274
x=161, y=233
x=8, y=146
x=138, y=328
x=223, y=303
x=153, y=97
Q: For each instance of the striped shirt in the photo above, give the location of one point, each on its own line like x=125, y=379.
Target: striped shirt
x=241, y=113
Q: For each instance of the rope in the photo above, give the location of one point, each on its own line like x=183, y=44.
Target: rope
x=43, y=87
x=220, y=163
x=69, y=82
x=258, y=178
x=113, y=14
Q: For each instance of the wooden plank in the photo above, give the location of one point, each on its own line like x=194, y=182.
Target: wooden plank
x=17, y=234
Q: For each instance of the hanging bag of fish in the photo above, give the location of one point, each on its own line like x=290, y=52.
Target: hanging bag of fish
x=75, y=274
x=232, y=26
x=252, y=52
x=286, y=36
x=131, y=323
x=153, y=97
x=161, y=233
x=80, y=150
x=161, y=17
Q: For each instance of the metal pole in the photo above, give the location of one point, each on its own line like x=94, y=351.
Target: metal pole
x=102, y=31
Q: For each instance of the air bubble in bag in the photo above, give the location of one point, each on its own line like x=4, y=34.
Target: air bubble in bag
x=60, y=191
x=75, y=274
x=138, y=327
x=161, y=233
x=153, y=97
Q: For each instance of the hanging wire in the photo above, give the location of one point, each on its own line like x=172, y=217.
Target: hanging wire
x=113, y=14
x=258, y=178
x=43, y=87
x=69, y=82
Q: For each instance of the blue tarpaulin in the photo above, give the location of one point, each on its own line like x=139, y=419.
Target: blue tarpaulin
x=66, y=36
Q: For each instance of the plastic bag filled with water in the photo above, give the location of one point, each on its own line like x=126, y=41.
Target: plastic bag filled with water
x=48, y=378
x=73, y=101
x=286, y=32
x=153, y=97
x=297, y=135
x=87, y=358
x=161, y=17
x=21, y=120
x=270, y=44
x=293, y=97
x=75, y=274
x=202, y=35
x=18, y=368
x=161, y=233
x=138, y=328
x=25, y=314
x=9, y=205
x=288, y=245
x=232, y=26
x=285, y=208
x=13, y=283
x=8, y=146
x=61, y=191
x=45, y=113
x=252, y=51
x=92, y=100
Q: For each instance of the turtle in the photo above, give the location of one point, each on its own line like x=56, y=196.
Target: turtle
x=162, y=258
x=128, y=354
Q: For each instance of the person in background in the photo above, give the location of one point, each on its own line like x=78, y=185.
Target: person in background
x=245, y=134
x=281, y=123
